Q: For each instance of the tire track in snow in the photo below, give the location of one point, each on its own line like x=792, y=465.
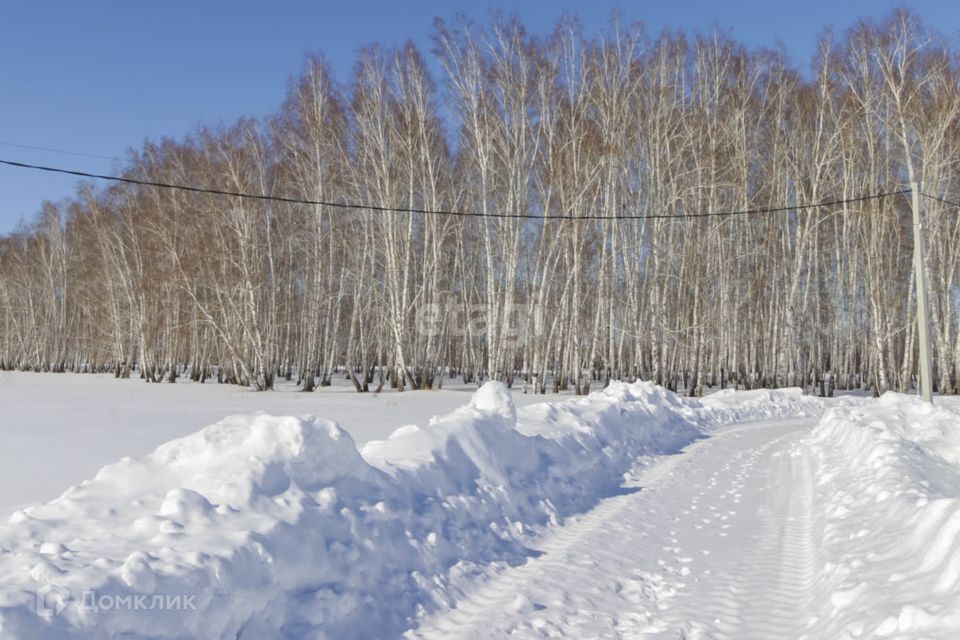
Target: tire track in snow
x=570, y=549
x=717, y=543
x=764, y=587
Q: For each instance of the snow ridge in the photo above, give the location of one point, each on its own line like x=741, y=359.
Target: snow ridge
x=278, y=526
x=889, y=488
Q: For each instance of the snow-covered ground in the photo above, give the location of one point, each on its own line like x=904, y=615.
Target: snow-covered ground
x=888, y=496
x=59, y=429
x=631, y=513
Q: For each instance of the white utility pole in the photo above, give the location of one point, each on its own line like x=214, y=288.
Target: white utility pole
x=923, y=318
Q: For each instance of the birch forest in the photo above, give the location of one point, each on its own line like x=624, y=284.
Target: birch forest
x=600, y=148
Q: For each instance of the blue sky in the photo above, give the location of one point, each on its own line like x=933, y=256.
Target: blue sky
x=99, y=77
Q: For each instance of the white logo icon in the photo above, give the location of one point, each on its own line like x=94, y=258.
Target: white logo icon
x=52, y=598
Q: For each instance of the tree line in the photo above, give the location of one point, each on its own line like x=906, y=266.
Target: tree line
x=603, y=147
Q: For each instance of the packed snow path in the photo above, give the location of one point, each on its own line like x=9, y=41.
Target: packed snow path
x=714, y=542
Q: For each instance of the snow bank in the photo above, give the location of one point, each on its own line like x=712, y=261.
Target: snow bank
x=729, y=406
x=889, y=487
x=260, y=526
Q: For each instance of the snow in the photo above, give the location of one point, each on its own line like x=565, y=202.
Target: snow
x=889, y=486
x=279, y=525
x=692, y=549
x=842, y=526
x=59, y=429
x=628, y=513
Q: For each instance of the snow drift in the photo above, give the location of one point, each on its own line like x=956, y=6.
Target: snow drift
x=265, y=526
x=889, y=486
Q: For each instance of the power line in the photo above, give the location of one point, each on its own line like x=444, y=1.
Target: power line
x=939, y=199
x=63, y=151
x=465, y=214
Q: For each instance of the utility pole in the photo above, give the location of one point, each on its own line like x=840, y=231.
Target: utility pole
x=923, y=318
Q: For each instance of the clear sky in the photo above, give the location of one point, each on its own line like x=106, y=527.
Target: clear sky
x=98, y=77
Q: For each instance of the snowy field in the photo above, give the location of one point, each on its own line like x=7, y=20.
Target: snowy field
x=632, y=513
x=59, y=429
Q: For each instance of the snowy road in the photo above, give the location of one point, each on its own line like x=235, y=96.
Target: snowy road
x=714, y=542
